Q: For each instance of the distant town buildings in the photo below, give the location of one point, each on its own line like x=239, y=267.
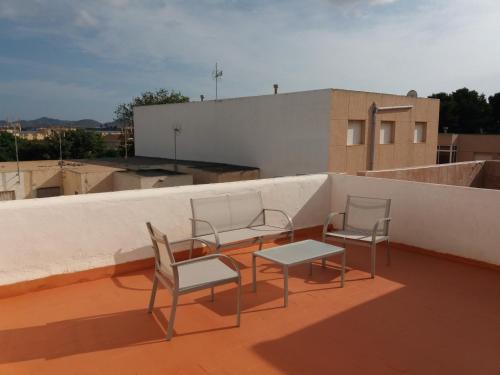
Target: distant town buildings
x=48, y=178
x=112, y=139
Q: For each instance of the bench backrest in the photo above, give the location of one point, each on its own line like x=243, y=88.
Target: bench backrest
x=361, y=214
x=227, y=212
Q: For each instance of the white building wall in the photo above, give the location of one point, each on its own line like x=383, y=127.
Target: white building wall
x=284, y=134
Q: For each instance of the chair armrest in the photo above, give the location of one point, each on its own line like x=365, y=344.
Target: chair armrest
x=207, y=244
x=329, y=219
x=209, y=256
x=377, y=224
x=287, y=217
x=212, y=228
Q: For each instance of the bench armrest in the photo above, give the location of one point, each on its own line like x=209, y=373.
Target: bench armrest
x=329, y=219
x=212, y=228
x=207, y=244
x=287, y=217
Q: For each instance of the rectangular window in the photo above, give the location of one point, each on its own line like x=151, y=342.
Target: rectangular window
x=419, y=134
x=386, y=132
x=447, y=154
x=355, y=132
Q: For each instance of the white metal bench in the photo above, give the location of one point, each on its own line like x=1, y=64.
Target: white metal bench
x=225, y=220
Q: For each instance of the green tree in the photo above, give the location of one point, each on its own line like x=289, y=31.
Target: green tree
x=494, y=102
x=7, y=147
x=447, y=117
x=465, y=111
x=76, y=144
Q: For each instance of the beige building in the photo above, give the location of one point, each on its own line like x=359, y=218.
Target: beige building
x=295, y=133
x=467, y=147
x=47, y=178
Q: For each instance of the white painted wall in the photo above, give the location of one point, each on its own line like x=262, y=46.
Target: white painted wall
x=284, y=134
x=43, y=237
x=456, y=220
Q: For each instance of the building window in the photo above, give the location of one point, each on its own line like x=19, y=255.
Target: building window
x=386, y=132
x=419, y=133
x=355, y=132
x=447, y=154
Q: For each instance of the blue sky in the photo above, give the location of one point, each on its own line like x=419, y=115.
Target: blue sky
x=79, y=59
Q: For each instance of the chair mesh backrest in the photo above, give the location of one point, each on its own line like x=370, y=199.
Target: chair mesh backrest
x=227, y=212
x=362, y=213
x=163, y=253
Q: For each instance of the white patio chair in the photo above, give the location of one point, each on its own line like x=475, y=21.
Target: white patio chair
x=190, y=275
x=365, y=222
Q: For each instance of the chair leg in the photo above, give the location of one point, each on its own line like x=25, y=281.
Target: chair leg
x=323, y=262
x=373, y=258
x=342, y=277
x=291, y=237
x=212, y=294
x=260, y=243
x=388, y=254
x=153, y=295
x=170, y=329
x=238, y=304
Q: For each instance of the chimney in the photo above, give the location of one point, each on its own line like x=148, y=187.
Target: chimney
x=202, y=97
x=275, y=86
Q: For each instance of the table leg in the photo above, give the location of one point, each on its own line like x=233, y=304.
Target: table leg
x=285, y=277
x=254, y=273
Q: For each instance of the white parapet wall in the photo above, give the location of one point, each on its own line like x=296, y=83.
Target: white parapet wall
x=50, y=236
x=455, y=220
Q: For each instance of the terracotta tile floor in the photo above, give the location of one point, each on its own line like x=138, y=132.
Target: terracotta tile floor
x=422, y=315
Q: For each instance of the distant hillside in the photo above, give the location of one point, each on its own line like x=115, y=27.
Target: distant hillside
x=46, y=122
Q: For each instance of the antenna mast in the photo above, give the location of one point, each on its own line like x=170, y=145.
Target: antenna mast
x=217, y=74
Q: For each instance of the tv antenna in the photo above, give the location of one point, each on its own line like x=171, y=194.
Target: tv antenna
x=177, y=129
x=216, y=74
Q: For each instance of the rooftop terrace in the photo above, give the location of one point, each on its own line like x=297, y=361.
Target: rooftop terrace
x=435, y=310
x=423, y=315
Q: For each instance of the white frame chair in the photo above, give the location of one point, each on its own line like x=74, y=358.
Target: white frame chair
x=365, y=222
x=190, y=275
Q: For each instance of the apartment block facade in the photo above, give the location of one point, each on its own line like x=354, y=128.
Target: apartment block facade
x=295, y=133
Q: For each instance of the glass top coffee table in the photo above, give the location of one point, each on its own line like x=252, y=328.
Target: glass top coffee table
x=297, y=253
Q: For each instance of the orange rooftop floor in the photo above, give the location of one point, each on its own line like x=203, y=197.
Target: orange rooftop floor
x=421, y=315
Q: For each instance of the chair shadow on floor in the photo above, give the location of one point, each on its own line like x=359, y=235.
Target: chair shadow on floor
x=80, y=335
